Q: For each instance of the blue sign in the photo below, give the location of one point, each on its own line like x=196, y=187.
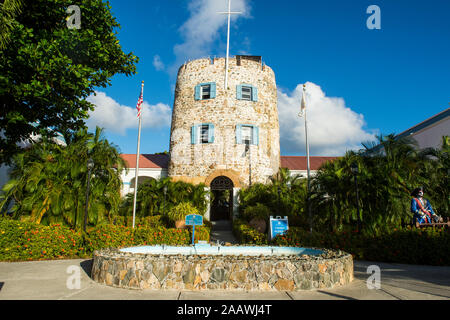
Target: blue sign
x=194, y=220
x=278, y=226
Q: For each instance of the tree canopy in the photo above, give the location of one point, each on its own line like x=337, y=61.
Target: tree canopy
x=48, y=70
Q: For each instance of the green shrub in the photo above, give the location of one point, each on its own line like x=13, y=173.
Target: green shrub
x=180, y=211
x=150, y=221
x=21, y=241
x=109, y=236
x=405, y=245
x=258, y=211
x=246, y=234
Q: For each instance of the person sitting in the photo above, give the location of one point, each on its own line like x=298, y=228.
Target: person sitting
x=422, y=209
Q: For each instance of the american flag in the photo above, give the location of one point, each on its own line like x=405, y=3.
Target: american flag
x=140, y=101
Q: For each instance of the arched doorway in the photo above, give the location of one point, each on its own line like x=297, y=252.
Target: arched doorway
x=221, y=198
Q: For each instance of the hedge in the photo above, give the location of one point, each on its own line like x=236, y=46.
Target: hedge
x=407, y=245
x=22, y=241
x=247, y=234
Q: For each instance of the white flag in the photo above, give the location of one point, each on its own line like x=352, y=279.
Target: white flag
x=303, y=104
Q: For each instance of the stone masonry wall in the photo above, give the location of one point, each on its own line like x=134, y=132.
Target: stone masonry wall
x=207, y=272
x=194, y=163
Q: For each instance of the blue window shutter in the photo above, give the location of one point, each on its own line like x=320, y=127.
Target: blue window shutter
x=197, y=92
x=213, y=90
x=239, y=92
x=210, y=133
x=193, y=134
x=254, y=93
x=255, y=135
x=238, y=134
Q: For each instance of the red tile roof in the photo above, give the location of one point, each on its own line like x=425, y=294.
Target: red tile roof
x=161, y=161
x=154, y=161
x=299, y=163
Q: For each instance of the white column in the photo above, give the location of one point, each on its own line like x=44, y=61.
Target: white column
x=235, y=202
x=208, y=209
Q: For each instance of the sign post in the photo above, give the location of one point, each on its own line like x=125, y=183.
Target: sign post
x=278, y=226
x=194, y=220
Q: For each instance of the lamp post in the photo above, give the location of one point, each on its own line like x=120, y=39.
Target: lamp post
x=90, y=165
x=355, y=170
x=165, y=192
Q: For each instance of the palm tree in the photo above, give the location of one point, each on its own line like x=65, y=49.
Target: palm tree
x=9, y=10
x=49, y=181
x=435, y=171
x=386, y=176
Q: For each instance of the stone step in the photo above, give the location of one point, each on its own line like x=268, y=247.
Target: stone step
x=223, y=237
x=222, y=225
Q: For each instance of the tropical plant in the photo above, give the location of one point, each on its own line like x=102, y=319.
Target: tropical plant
x=151, y=198
x=258, y=211
x=49, y=181
x=180, y=211
x=285, y=195
x=387, y=174
x=9, y=10
x=436, y=172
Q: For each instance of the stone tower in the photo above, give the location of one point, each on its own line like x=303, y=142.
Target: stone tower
x=231, y=133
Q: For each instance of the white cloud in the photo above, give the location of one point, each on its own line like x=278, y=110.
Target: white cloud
x=117, y=118
x=157, y=63
x=333, y=128
x=203, y=26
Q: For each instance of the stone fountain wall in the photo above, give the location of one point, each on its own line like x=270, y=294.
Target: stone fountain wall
x=208, y=272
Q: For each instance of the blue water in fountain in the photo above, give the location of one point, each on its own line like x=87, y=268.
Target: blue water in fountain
x=207, y=249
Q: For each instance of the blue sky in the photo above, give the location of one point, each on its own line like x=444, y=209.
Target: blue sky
x=360, y=82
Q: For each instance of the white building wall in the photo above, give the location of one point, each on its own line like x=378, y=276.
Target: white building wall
x=302, y=173
x=431, y=137
x=128, y=178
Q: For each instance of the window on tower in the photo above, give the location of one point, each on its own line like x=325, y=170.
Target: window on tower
x=246, y=92
x=247, y=134
x=205, y=91
x=202, y=133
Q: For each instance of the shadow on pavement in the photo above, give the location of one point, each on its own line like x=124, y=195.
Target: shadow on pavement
x=86, y=265
x=432, y=275
x=336, y=295
x=1, y=285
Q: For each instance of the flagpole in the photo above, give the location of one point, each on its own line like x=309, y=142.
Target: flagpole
x=303, y=107
x=137, y=159
x=229, y=13
x=228, y=45
x=308, y=174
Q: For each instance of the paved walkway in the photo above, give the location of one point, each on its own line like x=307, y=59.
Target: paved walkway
x=47, y=280
x=222, y=231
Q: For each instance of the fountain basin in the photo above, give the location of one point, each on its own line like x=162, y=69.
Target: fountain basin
x=206, y=267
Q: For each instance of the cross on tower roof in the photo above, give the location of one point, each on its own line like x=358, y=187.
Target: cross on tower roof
x=229, y=13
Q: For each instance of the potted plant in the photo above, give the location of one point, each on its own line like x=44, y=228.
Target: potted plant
x=257, y=216
x=178, y=213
